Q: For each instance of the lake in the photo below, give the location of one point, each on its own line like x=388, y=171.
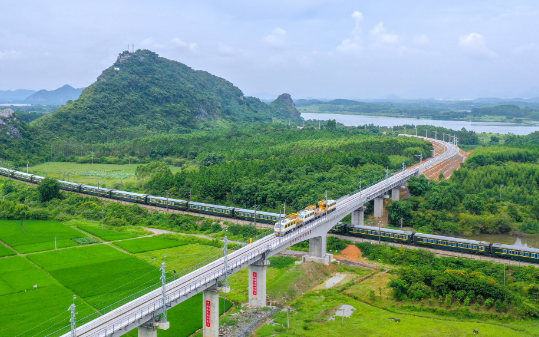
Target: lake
x=488, y=127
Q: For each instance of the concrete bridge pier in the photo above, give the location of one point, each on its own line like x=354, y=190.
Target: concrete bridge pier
x=395, y=193
x=379, y=206
x=318, y=250
x=210, y=311
x=257, y=284
x=149, y=329
x=358, y=216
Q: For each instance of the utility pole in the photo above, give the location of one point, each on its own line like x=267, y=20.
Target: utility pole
x=26, y=167
x=68, y=177
x=435, y=134
x=401, y=223
x=102, y=214
x=73, y=320
x=426, y=133
x=255, y=207
x=164, y=289
x=504, y=274
x=287, y=319
x=403, y=166
x=443, y=137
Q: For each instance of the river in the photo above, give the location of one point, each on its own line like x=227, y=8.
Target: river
x=479, y=127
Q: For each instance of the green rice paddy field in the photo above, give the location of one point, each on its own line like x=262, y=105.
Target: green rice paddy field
x=147, y=244
x=106, y=234
x=31, y=236
x=98, y=275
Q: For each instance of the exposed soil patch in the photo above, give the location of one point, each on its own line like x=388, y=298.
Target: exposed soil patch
x=350, y=253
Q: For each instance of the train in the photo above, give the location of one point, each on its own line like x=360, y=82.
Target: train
x=296, y=220
x=147, y=199
x=467, y=246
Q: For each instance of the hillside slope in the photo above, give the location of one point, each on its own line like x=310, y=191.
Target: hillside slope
x=142, y=93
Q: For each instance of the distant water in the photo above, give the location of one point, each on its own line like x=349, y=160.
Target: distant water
x=357, y=120
x=10, y=104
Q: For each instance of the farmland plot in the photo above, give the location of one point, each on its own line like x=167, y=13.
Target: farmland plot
x=148, y=244
x=107, y=235
x=32, y=310
x=5, y=251
x=29, y=236
x=99, y=274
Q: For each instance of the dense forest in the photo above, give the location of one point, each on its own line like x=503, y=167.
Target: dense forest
x=271, y=167
x=495, y=191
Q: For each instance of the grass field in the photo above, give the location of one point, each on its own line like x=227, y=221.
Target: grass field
x=25, y=311
x=106, y=234
x=30, y=236
x=5, y=251
x=147, y=244
x=100, y=274
x=313, y=310
x=106, y=174
x=180, y=258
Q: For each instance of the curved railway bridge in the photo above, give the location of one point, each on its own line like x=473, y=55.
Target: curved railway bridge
x=146, y=311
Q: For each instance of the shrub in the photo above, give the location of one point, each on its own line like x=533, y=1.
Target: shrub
x=498, y=305
x=448, y=300
x=467, y=301
x=419, y=291
x=489, y=302
x=85, y=240
x=372, y=296
x=49, y=189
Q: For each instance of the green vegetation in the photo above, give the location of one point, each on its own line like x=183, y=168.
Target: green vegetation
x=98, y=274
x=5, y=251
x=85, y=241
x=270, y=167
x=32, y=311
x=106, y=234
x=313, y=310
x=48, y=189
x=149, y=95
x=30, y=236
x=476, y=284
x=147, y=244
x=495, y=191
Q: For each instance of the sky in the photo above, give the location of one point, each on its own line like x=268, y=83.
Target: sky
x=309, y=49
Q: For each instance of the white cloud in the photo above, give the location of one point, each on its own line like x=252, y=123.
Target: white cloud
x=354, y=44
x=421, y=40
x=475, y=45
x=177, y=42
x=380, y=35
x=277, y=39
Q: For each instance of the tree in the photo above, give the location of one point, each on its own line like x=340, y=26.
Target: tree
x=418, y=185
x=49, y=189
x=473, y=203
x=331, y=124
x=400, y=210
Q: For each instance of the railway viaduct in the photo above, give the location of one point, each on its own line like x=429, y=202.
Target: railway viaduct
x=147, y=311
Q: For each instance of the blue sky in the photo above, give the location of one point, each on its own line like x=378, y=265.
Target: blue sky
x=318, y=49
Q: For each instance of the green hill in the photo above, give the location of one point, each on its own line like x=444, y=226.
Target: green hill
x=143, y=94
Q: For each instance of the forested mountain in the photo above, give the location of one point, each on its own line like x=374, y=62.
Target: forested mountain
x=142, y=94
x=15, y=95
x=53, y=97
x=15, y=137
